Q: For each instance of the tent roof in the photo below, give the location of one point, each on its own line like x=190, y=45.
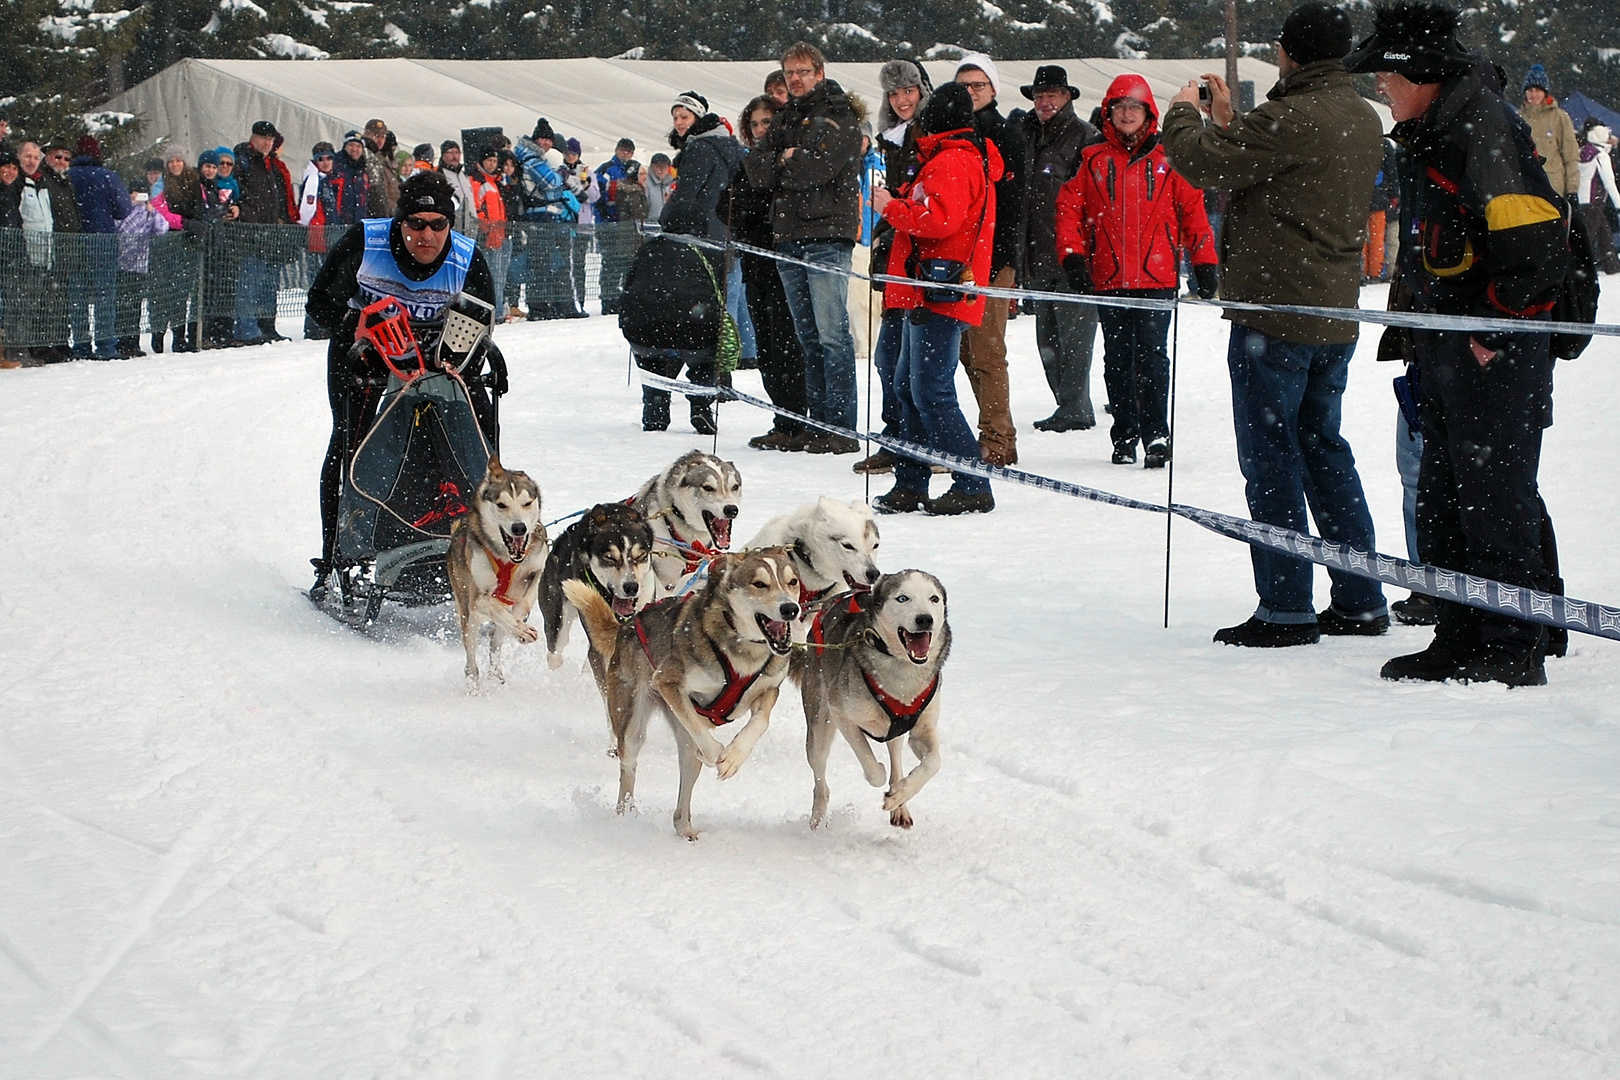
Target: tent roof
x=204, y=103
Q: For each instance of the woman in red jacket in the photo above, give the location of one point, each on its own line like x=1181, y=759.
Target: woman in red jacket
x=1122, y=223
x=946, y=215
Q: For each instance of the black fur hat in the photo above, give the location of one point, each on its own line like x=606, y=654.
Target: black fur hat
x=949, y=108
x=1414, y=40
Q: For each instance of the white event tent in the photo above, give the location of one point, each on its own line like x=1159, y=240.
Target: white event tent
x=205, y=103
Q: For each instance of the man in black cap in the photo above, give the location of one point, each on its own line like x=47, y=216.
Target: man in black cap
x=1299, y=168
x=454, y=170
x=1493, y=246
x=417, y=259
x=266, y=194
x=1064, y=333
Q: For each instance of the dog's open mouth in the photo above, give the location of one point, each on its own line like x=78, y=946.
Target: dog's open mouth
x=858, y=586
x=516, y=546
x=917, y=645
x=778, y=634
x=719, y=528
x=624, y=606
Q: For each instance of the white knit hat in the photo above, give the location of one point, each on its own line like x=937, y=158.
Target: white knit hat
x=693, y=102
x=1598, y=136
x=984, y=64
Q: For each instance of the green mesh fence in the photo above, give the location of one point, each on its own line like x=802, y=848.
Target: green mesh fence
x=89, y=290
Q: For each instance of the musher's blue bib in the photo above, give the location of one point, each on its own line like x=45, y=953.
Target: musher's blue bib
x=425, y=300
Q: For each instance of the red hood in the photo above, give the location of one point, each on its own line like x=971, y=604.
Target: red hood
x=929, y=145
x=1136, y=88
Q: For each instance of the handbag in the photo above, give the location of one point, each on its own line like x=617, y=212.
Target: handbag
x=938, y=274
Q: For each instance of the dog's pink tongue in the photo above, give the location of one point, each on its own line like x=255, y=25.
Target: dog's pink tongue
x=720, y=529
x=918, y=644
x=624, y=605
x=777, y=630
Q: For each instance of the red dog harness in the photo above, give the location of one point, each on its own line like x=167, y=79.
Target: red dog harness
x=717, y=712
x=903, y=715
x=696, y=551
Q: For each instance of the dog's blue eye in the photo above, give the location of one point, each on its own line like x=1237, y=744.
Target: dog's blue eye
x=902, y=599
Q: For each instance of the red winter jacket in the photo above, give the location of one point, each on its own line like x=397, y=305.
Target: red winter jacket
x=937, y=216
x=1127, y=211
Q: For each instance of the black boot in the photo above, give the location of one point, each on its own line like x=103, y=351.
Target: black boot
x=654, y=409
x=157, y=344
x=702, y=416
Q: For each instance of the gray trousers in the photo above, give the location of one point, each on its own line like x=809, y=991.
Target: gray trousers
x=1065, y=334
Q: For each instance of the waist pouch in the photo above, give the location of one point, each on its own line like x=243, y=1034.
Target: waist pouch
x=943, y=272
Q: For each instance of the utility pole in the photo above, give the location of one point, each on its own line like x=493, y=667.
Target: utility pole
x=1232, y=48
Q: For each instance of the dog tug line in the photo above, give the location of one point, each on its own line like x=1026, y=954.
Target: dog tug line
x=1581, y=616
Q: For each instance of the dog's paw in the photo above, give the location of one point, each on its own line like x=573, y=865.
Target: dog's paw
x=896, y=798
x=876, y=774
x=900, y=817
x=527, y=635
x=554, y=660
x=710, y=751
x=684, y=828
x=731, y=759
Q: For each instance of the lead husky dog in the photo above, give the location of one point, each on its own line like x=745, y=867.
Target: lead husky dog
x=690, y=506
x=496, y=555
x=610, y=549
x=702, y=661
x=872, y=669
x=832, y=546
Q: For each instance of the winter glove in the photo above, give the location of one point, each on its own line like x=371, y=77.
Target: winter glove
x=1209, y=280
x=497, y=370
x=1078, y=273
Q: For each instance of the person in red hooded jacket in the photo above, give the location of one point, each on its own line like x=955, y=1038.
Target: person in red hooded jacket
x=1122, y=223
x=946, y=215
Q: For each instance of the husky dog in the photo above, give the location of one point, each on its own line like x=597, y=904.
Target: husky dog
x=832, y=546
x=496, y=555
x=610, y=549
x=702, y=660
x=872, y=668
x=690, y=506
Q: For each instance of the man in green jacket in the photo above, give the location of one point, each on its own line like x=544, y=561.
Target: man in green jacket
x=1299, y=167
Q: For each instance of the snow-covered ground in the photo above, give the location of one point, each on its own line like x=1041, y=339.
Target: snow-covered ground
x=240, y=840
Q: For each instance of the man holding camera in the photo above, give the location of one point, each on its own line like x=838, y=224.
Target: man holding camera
x=1299, y=168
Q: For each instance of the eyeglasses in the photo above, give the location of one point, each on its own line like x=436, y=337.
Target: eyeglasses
x=323, y=157
x=422, y=224
x=1127, y=106
x=978, y=86
x=61, y=157
x=800, y=73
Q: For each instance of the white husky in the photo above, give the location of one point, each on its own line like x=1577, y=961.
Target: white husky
x=833, y=547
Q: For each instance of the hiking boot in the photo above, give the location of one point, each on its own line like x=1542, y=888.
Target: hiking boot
x=1501, y=663
x=873, y=464
x=702, y=419
x=825, y=442
x=774, y=439
x=1157, y=454
x=1335, y=623
x=318, y=591
x=1437, y=663
x=1257, y=633
x=900, y=500
x=955, y=502
x=1416, y=610
x=1124, y=453
x=1059, y=422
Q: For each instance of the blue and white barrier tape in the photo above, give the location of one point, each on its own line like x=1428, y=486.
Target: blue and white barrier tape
x=1582, y=616
x=1410, y=319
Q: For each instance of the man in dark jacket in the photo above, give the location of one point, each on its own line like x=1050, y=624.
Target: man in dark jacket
x=984, y=347
x=616, y=234
x=810, y=161
x=265, y=197
x=1064, y=333
x=1493, y=245
x=103, y=202
x=1299, y=168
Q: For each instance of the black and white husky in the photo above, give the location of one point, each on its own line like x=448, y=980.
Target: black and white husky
x=610, y=549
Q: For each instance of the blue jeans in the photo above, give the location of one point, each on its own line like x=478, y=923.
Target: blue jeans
x=1286, y=401
x=499, y=260
x=255, y=297
x=925, y=383
x=96, y=285
x=820, y=306
x=886, y=355
x=1408, y=462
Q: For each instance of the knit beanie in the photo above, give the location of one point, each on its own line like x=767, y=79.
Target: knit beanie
x=984, y=64
x=1316, y=31
x=1536, y=76
x=1416, y=40
x=208, y=157
x=542, y=130
x=693, y=102
x=428, y=192
x=1598, y=136
x=88, y=146
x=175, y=150
x=950, y=108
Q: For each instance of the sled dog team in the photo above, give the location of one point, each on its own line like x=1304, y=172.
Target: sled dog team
x=679, y=624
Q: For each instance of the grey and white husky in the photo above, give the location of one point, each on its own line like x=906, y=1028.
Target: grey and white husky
x=872, y=670
x=690, y=506
x=497, y=552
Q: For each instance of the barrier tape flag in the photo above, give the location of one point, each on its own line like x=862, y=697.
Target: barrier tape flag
x=1411, y=320
x=1582, y=616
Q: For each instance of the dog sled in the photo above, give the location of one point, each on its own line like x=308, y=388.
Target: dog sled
x=412, y=473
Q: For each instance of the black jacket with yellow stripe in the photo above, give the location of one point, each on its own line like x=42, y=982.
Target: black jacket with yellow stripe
x=1489, y=235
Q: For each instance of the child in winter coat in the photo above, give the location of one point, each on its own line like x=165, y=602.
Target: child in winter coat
x=135, y=232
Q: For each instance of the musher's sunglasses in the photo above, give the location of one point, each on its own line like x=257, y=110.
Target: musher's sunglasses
x=420, y=224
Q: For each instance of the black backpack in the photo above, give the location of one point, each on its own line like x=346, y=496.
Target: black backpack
x=1577, y=299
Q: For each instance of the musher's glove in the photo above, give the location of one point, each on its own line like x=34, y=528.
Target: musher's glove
x=497, y=370
x=1209, y=280
x=1078, y=273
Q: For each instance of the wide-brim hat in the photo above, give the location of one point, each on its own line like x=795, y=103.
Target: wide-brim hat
x=1049, y=77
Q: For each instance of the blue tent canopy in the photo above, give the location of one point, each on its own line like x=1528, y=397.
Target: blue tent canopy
x=1579, y=107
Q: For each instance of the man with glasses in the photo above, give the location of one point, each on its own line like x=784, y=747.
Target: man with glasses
x=263, y=198
x=810, y=162
x=984, y=347
x=47, y=207
x=418, y=260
